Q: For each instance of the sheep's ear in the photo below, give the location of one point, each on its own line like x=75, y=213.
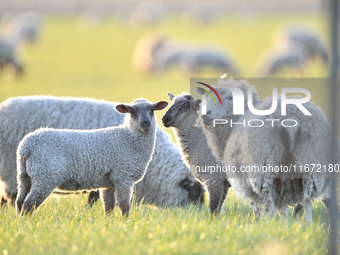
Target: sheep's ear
x=160, y=105
x=197, y=104
x=122, y=108
x=199, y=91
x=171, y=96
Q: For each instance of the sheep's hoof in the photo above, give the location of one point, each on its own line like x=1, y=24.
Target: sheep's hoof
x=213, y=214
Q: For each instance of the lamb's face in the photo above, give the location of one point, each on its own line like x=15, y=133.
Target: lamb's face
x=181, y=108
x=141, y=112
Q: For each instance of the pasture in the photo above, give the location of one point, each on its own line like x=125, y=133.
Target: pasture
x=72, y=59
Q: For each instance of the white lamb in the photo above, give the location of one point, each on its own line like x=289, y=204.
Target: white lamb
x=114, y=159
x=307, y=143
x=167, y=182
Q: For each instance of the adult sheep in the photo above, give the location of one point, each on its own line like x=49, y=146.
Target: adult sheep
x=113, y=159
x=24, y=27
x=285, y=56
x=305, y=144
x=167, y=182
x=181, y=116
x=310, y=39
x=158, y=53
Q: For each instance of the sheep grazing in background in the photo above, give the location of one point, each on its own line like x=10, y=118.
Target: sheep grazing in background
x=292, y=57
x=157, y=53
x=311, y=40
x=170, y=55
x=294, y=47
x=181, y=116
x=113, y=159
x=9, y=57
x=215, y=58
x=154, y=53
x=24, y=27
x=306, y=143
x=167, y=182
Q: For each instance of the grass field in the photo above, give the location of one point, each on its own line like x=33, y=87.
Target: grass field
x=74, y=60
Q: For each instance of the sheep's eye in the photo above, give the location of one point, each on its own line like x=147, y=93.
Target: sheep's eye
x=151, y=111
x=132, y=111
x=186, y=106
x=229, y=98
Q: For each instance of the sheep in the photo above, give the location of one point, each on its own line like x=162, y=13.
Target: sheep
x=170, y=54
x=113, y=159
x=167, y=182
x=161, y=186
x=306, y=143
x=181, y=116
x=311, y=40
x=292, y=56
x=156, y=53
x=293, y=48
x=24, y=27
x=9, y=56
x=216, y=58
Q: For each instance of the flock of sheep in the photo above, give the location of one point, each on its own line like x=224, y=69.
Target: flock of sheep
x=296, y=46
x=159, y=185
x=50, y=144
x=155, y=53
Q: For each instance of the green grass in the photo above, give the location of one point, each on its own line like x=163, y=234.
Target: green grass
x=74, y=60
x=66, y=226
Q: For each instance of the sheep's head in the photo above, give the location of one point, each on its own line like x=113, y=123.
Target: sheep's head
x=214, y=109
x=195, y=190
x=141, y=113
x=182, y=107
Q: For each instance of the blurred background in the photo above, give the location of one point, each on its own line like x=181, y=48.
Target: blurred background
x=121, y=50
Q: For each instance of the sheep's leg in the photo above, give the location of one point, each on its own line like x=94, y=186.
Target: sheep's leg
x=332, y=208
x=123, y=197
x=3, y=201
x=108, y=198
x=215, y=193
x=257, y=209
x=224, y=195
x=307, y=199
x=268, y=193
x=93, y=197
x=13, y=200
x=35, y=198
x=24, y=187
x=297, y=209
